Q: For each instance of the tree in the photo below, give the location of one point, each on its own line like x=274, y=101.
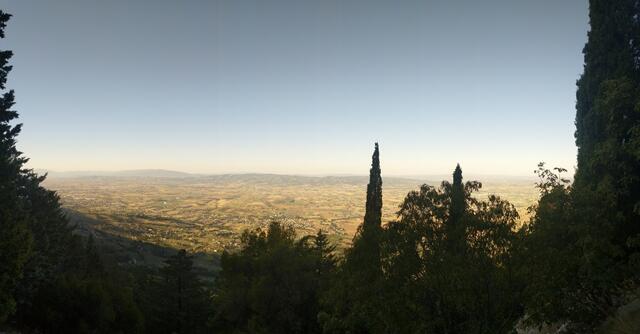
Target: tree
x=15, y=237
x=352, y=303
x=373, y=212
x=433, y=287
x=273, y=283
x=364, y=256
x=608, y=123
x=49, y=281
x=548, y=252
x=180, y=301
x=608, y=54
x=598, y=214
x=89, y=297
x=454, y=224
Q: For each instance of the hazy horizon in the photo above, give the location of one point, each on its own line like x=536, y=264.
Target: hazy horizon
x=136, y=172
x=292, y=87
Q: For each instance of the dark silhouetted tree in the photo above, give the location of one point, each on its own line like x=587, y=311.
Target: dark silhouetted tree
x=582, y=237
x=85, y=298
x=46, y=284
x=353, y=301
x=272, y=285
x=15, y=238
x=432, y=287
x=455, y=224
x=607, y=180
x=364, y=257
x=180, y=302
x=373, y=213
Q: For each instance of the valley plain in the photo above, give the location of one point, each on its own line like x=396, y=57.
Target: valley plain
x=206, y=214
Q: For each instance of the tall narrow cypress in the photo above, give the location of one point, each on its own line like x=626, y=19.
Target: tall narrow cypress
x=361, y=275
x=373, y=213
x=454, y=228
x=364, y=256
x=457, y=197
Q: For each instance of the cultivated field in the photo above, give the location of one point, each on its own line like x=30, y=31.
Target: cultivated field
x=208, y=213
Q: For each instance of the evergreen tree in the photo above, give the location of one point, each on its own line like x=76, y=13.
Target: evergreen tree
x=364, y=256
x=455, y=225
x=605, y=197
x=608, y=120
x=373, y=213
x=88, y=297
x=353, y=302
x=15, y=237
x=608, y=55
x=362, y=269
x=181, y=300
x=46, y=284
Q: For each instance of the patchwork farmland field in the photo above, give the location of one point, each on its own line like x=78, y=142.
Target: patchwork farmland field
x=208, y=213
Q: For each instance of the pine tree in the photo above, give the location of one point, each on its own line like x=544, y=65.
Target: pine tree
x=15, y=238
x=181, y=299
x=325, y=252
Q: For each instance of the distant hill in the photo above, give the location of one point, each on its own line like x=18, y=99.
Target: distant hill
x=151, y=173
x=274, y=179
x=291, y=180
x=258, y=178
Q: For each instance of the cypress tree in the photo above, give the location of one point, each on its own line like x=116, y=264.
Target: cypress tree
x=611, y=54
x=608, y=119
x=607, y=55
x=357, y=305
x=604, y=207
x=362, y=272
x=456, y=211
x=373, y=213
x=366, y=249
x=454, y=227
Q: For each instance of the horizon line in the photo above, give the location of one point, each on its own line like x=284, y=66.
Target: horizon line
x=395, y=175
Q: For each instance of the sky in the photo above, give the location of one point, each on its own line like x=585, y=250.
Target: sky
x=297, y=86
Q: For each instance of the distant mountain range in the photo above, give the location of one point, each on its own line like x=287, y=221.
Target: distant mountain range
x=154, y=173
x=267, y=177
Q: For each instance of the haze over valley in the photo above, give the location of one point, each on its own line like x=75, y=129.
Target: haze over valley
x=207, y=213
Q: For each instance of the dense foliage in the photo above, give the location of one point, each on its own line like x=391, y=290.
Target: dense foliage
x=449, y=263
x=583, y=239
x=273, y=284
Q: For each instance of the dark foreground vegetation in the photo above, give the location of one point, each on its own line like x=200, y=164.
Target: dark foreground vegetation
x=449, y=263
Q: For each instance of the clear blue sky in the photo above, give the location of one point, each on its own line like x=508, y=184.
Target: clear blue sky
x=297, y=86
